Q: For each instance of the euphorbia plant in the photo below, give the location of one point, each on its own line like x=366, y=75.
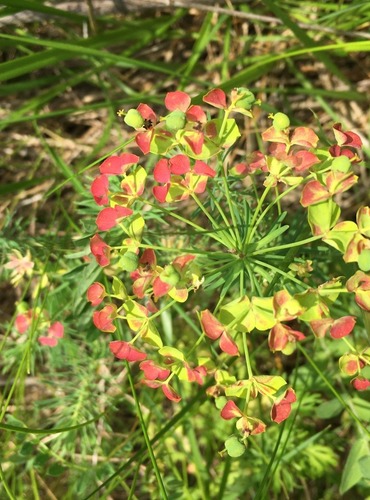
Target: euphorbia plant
x=220, y=225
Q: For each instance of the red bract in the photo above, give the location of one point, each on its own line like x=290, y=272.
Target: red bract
x=23, y=321
x=145, y=274
x=177, y=101
x=337, y=328
x=153, y=371
x=282, y=407
x=100, y=250
x=100, y=189
x=360, y=383
x=196, y=114
x=96, y=293
x=55, y=332
x=216, y=330
x=282, y=337
x=300, y=161
x=346, y=138
x=300, y=136
x=118, y=165
x=360, y=285
x=143, y=139
x=109, y=217
x=170, y=393
x=124, y=350
x=334, y=182
x=196, y=374
x=216, y=98
x=230, y=410
x=103, y=319
x=350, y=364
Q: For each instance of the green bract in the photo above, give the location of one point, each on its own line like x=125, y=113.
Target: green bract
x=129, y=261
x=341, y=164
x=175, y=120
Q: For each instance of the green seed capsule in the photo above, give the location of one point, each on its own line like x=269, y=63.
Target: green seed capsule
x=134, y=119
x=129, y=261
x=247, y=98
x=175, y=121
x=281, y=121
x=170, y=275
x=341, y=164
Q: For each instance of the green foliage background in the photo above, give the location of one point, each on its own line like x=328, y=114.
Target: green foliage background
x=71, y=424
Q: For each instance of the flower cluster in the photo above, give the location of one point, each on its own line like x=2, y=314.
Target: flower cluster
x=189, y=183
x=53, y=331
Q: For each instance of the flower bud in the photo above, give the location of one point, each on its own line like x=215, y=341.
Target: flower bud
x=341, y=164
x=281, y=121
x=243, y=98
x=129, y=261
x=175, y=121
x=134, y=119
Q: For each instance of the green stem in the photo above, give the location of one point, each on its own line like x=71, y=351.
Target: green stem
x=223, y=125
x=253, y=226
x=287, y=246
x=246, y=355
x=146, y=436
x=333, y=390
x=346, y=341
x=5, y=485
x=158, y=313
x=231, y=208
x=223, y=215
x=268, y=208
x=224, y=238
x=277, y=270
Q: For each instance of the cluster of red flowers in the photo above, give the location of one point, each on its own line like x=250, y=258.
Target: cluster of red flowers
x=55, y=330
x=184, y=141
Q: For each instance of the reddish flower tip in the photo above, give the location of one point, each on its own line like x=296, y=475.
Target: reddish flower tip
x=100, y=250
x=230, y=410
x=96, y=294
x=124, y=350
x=177, y=101
x=216, y=98
x=99, y=189
x=170, y=394
x=103, y=319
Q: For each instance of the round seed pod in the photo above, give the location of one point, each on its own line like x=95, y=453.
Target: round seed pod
x=133, y=119
x=175, y=121
x=281, y=121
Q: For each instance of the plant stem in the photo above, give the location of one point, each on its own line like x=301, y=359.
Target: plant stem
x=146, y=436
x=287, y=246
x=225, y=239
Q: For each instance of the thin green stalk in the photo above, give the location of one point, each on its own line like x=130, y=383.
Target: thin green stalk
x=183, y=219
x=246, y=355
x=281, y=272
x=223, y=215
x=267, y=209
x=225, y=240
x=200, y=396
x=333, y=390
x=231, y=209
x=252, y=227
x=35, y=491
x=198, y=462
x=5, y=485
x=146, y=436
x=287, y=246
